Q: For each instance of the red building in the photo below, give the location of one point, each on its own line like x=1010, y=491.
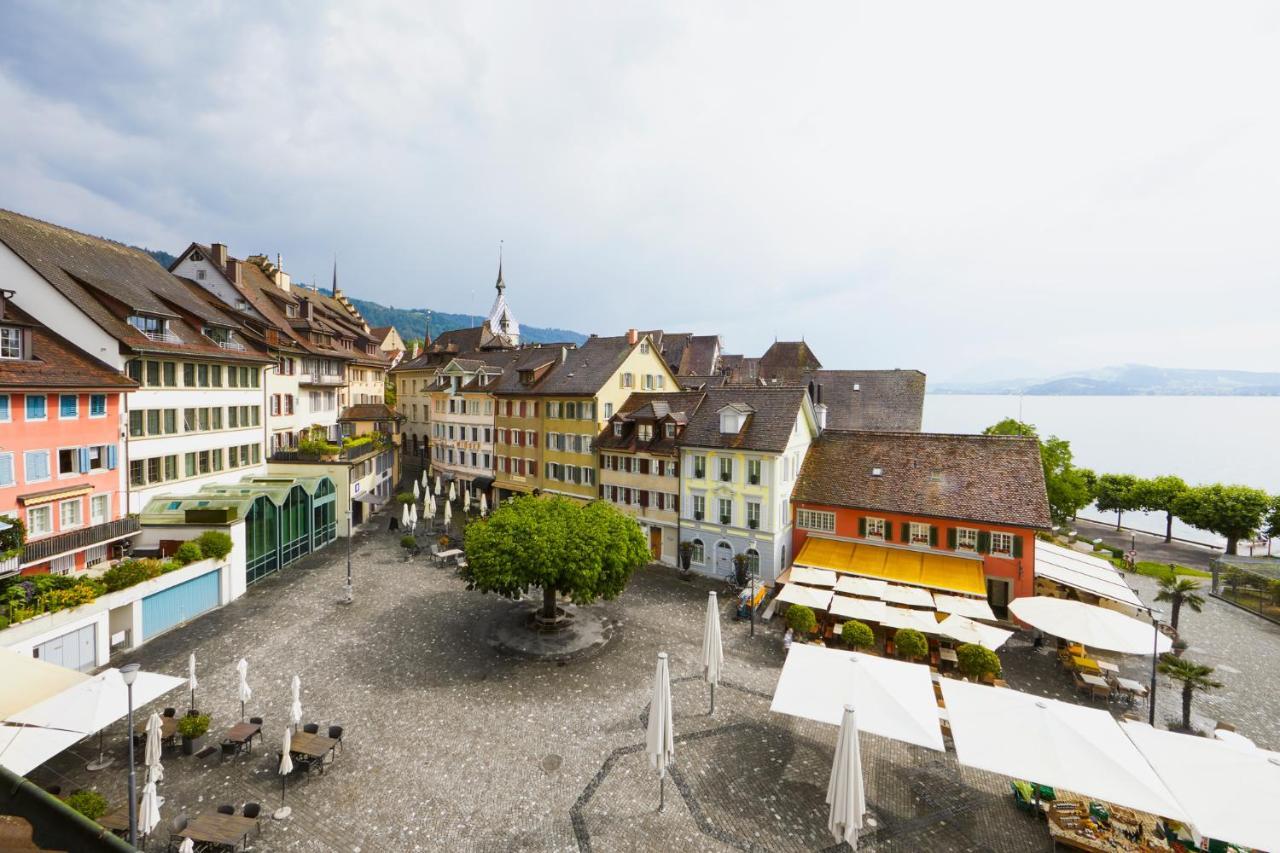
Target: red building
x=951, y=513
x=61, y=459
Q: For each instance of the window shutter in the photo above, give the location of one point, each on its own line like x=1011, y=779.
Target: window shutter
x=84, y=459
x=984, y=542
x=111, y=457
x=862, y=526
x=644, y=499
x=951, y=538
x=533, y=442
x=933, y=535
x=533, y=468
x=602, y=490
x=906, y=532
x=888, y=531
x=644, y=466
x=1017, y=546
x=675, y=502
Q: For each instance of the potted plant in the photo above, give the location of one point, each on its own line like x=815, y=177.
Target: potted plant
x=193, y=728
x=91, y=804
x=686, y=559
x=410, y=546
x=740, y=562
x=911, y=644
x=857, y=635
x=978, y=662
x=801, y=621
x=1179, y=646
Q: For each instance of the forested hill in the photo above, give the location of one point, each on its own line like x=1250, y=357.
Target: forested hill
x=410, y=323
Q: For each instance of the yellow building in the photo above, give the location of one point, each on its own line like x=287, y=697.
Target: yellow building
x=552, y=407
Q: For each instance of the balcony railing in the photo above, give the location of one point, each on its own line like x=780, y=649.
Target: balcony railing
x=230, y=344
x=10, y=566
x=161, y=337
x=322, y=378
x=75, y=540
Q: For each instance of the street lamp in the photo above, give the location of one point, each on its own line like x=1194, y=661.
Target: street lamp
x=348, y=592
x=752, y=570
x=129, y=672
x=1155, y=657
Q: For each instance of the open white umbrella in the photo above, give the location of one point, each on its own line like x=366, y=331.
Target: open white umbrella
x=966, y=630
x=484, y=505
x=151, y=755
x=191, y=678
x=712, y=648
x=1092, y=626
x=659, y=740
x=437, y=485
x=453, y=494
x=404, y=516
x=242, y=668
x=448, y=514
x=417, y=494
x=295, y=709
x=149, y=809
x=286, y=767
x=845, y=792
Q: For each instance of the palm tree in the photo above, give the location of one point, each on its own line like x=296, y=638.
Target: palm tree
x=1194, y=676
x=1179, y=591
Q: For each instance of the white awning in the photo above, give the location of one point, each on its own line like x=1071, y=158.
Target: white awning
x=974, y=608
x=793, y=593
x=967, y=630
x=863, y=587
x=92, y=705
x=1091, y=625
x=813, y=577
x=857, y=608
x=901, y=617
x=912, y=596
x=24, y=748
x=892, y=698
x=1085, y=573
x=1230, y=793
x=1054, y=743
x=28, y=681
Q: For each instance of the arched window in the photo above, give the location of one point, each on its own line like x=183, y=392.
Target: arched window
x=699, y=552
x=753, y=561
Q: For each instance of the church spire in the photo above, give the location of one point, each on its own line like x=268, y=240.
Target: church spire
x=501, y=285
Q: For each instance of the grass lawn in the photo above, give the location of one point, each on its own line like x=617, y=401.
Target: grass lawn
x=1161, y=570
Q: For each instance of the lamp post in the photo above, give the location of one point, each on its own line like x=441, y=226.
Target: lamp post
x=1155, y=657
x=348, y=592
x=129, y=672
x=751, y=579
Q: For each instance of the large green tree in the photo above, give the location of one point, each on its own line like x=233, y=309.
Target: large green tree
x=1234, y=512
x=583, y=551
x=1273, y=520
x=1157, y=494
x=1069, y=488
x=1116, y=493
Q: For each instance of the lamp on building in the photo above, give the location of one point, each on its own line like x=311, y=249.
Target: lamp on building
x=129, y=672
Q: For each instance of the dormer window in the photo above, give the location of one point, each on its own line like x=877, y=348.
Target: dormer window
x=877, y=472
x=155, y=328
x=10, y=342
x=291, y=310
x=196, y=256
x=669, y=430
x=730, y=422
x=617, y=429
x=646, y=432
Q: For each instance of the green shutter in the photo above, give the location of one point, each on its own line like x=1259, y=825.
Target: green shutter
x=862, y=526
x=888, y=531
x=1017, y=547
x=984, y=542
x=906, y=532
x=933, y=535
x=951, y=538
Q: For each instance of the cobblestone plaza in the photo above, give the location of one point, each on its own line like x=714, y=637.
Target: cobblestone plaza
x=451, y=745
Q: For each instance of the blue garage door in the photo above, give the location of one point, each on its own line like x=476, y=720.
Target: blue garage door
x=177, y=604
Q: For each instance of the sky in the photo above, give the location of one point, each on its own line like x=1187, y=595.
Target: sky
x=976, y=190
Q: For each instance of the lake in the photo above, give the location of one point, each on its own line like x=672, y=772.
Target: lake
x=1201, y=439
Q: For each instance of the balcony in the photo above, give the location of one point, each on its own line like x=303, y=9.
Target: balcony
x=230, y=344
x=75, y=540
x=161, y=337
x=10, y=566
x=321, y=379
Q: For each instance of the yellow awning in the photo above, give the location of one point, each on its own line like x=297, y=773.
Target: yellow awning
x=897, y=565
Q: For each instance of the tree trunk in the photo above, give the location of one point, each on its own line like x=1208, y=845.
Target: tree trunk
x=1168, y=527
x=1232, y=542
x=1177, y=608
x=1118, y=515
x=1186, y=705
x=548, y=603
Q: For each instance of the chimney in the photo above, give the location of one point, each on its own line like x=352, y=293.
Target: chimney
x=633, y=337
x=564, y=354
x=233, y=269
x=220, y=255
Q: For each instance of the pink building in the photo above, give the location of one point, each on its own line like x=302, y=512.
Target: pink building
x=61, y=449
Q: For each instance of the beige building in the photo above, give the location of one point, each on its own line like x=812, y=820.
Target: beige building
x=640, y=464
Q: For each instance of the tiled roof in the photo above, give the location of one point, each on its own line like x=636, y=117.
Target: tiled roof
x=108, y=281
x=995, y=479
x=679, y=407
x=890, y=400
x=54, y=361
x=768, y=428
x=582, y=373
x=788, y=360
x=368, y=412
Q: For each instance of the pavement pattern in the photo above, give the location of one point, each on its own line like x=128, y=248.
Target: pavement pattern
x=452, y=745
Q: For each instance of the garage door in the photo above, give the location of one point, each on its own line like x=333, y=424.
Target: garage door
x=77, y=650
x=177, y=604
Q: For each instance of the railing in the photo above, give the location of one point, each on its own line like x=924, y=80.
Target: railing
x=322, y=379
x=232, y=345
x=162, y=337
x=43, y=549
x=10, y=566
x=293, y=454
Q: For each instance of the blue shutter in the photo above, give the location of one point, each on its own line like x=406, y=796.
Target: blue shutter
x=6, y=469
x=84, y=459
x=111, y=457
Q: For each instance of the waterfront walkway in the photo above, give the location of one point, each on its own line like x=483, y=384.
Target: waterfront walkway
x=1150, y=547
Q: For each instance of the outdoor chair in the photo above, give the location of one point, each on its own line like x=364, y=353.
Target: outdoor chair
x=229, y=748
x=335, y=732
x=257, y=721
x=253, y=811
x=170, y=712
x=226, y=809
x=312, y=728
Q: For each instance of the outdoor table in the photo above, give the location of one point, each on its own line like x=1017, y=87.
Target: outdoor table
x=226, y=830
x=1107, y=666
x=116, y=821
x=948, y=654
x=1085, y=663
x=242, y=734
x=312, y=746
x=451, y=554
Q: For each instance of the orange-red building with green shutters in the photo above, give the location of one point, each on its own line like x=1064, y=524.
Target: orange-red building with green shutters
x=950, y=513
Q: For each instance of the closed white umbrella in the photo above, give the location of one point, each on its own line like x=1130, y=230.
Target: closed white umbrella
x=295, y=709
x=187, y=846
x=453, y=495
x=191, y=678
x=484, y=505
x=659, y=740
x=845, y=793
x=448, y=514
x=286, y=765
x=404, y=516
x=413, y=515
x=426, y=475
x=466, y=500
x=242, y=668
x=151, y=757
x=437, y=485
x=430, y=506
x=149, y=809
x=712, y=648
x=417, y=494
x=1092, y=626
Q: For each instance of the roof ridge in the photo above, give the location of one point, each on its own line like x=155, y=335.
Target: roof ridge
x=115, y=244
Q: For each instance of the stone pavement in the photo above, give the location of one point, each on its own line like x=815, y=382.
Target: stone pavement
x=452, y=745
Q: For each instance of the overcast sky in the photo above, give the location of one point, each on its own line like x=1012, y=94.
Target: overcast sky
x=971, y=189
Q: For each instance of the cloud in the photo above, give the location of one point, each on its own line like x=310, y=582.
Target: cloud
x=934, y=186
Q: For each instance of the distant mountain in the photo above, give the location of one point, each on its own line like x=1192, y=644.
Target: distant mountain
x=163, y=258
x=1130, y=380
x=410, y=323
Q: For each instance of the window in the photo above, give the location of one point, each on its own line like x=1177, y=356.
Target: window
x=68, y=406
x=96, y=458
x=137, y=472
x=68, y=461
x=699, y=507
x=153, y=373
x=726, y=510
x=153, y=470
x=646, y=432
x=608, y=410
x=216, y=374
x=966, y=539
x=753, y=514
x=203, y=419
x=36, y=407
x=808, y=519
x=10, y=342
x=189, y=375
x=1002, y=544
x=97, y=406
x=171, y=467
x=217, y=418
x=4, y=408
x=699, y=467
x=202, y=375
x=699, y=552
x=204, y=461
x=669, y=430
x=153, y=421
x=170, y=374
x=100, y=509
x=134, y=371
x=170, y=421
x=70, y=513
x=188, y=420
x=726, y=469
x=35, y=464
x=919, y=533
x=753, y=562
x=648, y=382
x=753, y=471
x=189, y=464
x=874, y=528
x=6, y=469
x=39, y=521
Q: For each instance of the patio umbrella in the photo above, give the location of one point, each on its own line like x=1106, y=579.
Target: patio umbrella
x=453, y=495
x=437, y=485
x=151, y=757
x=659, y=740
x=404, y=516
x=426, y=477
x=413, y=515
x=966, y=630
x=712, y=649
x=242, y=668
x=286, y=767
x=187, y=846
x=417, y=494
x=1090, y=625
x=429, y=506
x=149, y=809
x=484, y=505
x=845, y=792
x=191, y=678
x=295, y=709
x=448, y=514
x=466, y=500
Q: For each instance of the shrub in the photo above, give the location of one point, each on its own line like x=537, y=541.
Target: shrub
x=63, y=599
x=214, y=543
x=801, y=619
x=408, y=543
x=12, y=537
x=4, y=622
x=126, y=573
x=188, y=552
x=193, y=727
x=911, y=644
x=169, y=566
x=405, y=497
x=857, y=635
x=91, y=804
x=978, y=661
x=317, y=447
